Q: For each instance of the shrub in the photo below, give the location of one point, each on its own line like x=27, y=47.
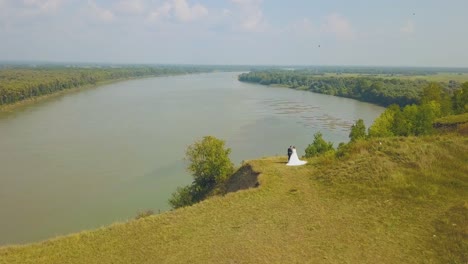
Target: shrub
x=210, y=166
x=358, y=131
x=319, y=146
x=182, y=197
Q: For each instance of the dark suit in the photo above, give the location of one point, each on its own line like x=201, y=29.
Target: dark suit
x=289, y=153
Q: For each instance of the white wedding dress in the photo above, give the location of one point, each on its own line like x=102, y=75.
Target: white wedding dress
x=294, y=160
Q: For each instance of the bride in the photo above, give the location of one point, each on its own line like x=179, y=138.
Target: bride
x=294, y=160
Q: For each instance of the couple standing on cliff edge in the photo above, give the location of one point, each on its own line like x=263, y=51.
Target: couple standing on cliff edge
x=293, y=159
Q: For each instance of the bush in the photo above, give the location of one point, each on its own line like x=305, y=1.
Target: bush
x=358, y=131
x=182, y=197
x=209, y=161
x=342, y=150
x=319, y=146
x=327, y=157
x=210, y=166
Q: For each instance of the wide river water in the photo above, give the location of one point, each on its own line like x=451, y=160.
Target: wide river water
x=101, y=155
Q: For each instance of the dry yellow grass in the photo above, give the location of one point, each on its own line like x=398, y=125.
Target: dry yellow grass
x=402, y=201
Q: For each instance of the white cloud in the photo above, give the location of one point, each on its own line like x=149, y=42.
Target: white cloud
x=251, y=16
x=184, y=12
x=303, y=26
x=131, y=7
x=43, y=5
x=159, y=13
x=181, y=10
x=102, y=14
x=408, y=28
x=338, y=25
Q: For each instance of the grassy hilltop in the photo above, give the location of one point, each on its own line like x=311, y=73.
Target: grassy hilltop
x=394, y=200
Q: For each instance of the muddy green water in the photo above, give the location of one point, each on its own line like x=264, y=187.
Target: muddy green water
x=91, y=158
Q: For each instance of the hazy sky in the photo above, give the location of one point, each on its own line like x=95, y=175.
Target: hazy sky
x=311, y=32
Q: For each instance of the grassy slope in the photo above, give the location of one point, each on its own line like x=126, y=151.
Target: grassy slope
x=402, y=201
x=453, y=119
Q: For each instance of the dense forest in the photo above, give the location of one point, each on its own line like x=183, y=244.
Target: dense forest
x=20, y=83
x=373, y=89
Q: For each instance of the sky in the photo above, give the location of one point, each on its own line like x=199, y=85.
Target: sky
x=428, y=33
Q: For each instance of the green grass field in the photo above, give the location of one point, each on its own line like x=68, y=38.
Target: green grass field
x=395, y=200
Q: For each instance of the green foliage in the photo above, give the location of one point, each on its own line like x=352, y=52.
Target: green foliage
x=209, y=161
x=342, y=150
x=182, y=197
x=382, y=126
x=424, y=119
x=415, y=120
x=358, y=131
x=460, y=99
x=404, y=120
x=375, y=88
x=17, y=84
x=453, y=119
x=431, y=92
x=439, y=99
x=364, y=88
x=210, y=166
x=318, y=146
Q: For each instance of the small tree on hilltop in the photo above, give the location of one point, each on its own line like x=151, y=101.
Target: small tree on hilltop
x=209, y=161
x=319, y=146
x=358, y=131
x=209, y=164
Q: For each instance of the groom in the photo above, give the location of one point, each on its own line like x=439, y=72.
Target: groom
x=289, y=152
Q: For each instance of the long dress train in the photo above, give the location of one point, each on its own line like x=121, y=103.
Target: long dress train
x=294, y=160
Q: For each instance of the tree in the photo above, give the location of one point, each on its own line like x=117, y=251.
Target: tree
x=209, y=164
x=404, y=121
x=319, y=146
x=432, y=92
x=425, y=116
x=209, y=161
x=358, y=131
x=182, y=197
x=382, y=126
x=460, y=99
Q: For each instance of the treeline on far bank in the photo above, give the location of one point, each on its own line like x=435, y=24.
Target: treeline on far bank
x=377, y=90
x=435, y=110
x=20, y=83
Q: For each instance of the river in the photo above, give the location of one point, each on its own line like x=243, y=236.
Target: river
x=94, y=157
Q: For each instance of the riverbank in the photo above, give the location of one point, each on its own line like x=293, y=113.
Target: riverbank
x=392, y=200
x=22, y=83
x=33, y=100
x=41, y=98
x=383, y=90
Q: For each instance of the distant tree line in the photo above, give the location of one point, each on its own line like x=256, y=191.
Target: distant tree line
x=20, y=83
x=381, y=91
x=418, y=119
x=410, y=120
